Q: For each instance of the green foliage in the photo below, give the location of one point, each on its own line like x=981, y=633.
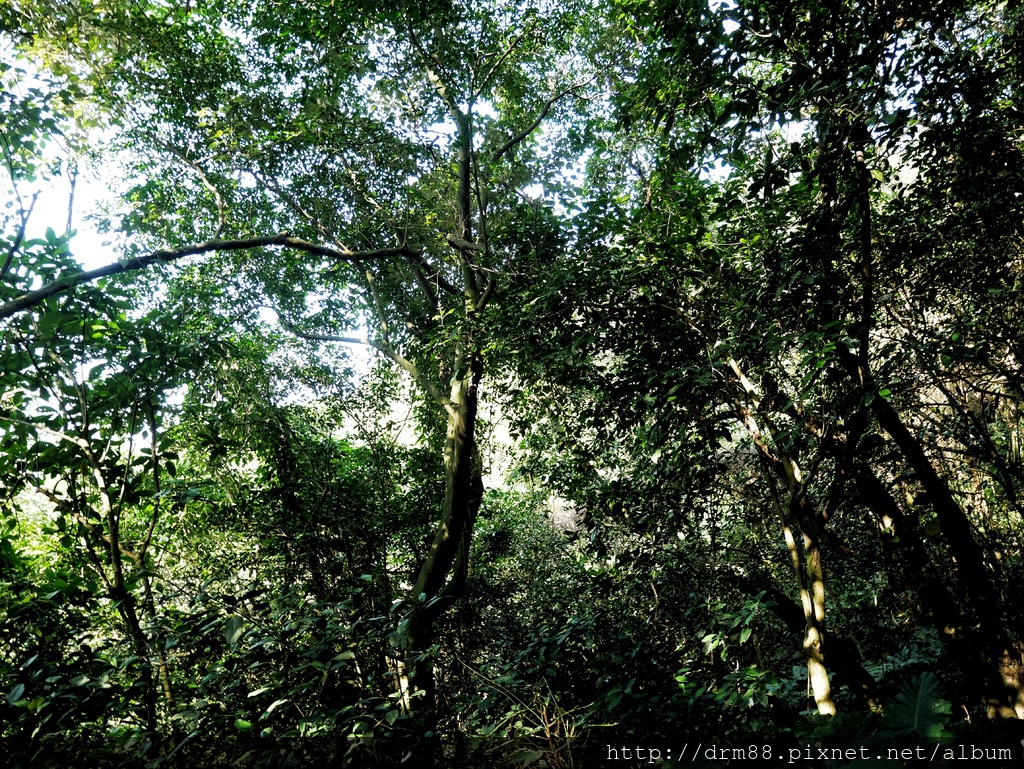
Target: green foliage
x=917, y=709
x=741, y=278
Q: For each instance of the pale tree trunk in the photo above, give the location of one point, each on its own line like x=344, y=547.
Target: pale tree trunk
x=813, y=600
x=811, y=586
x=807, y=570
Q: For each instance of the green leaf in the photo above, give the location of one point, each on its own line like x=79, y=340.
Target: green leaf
x=242, y=725
x=15, y=694
x=918, y=708
x=233, y=630
x=527, y=757
x=274, y=706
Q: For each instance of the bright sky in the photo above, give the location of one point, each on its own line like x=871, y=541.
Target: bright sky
x=51, y=210
x=54, y=192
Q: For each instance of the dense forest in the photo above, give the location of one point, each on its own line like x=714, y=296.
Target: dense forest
x=556, y=383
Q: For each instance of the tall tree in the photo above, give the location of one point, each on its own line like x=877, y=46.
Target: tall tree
x=388, y=152
x=783, y=161
x=831, y=126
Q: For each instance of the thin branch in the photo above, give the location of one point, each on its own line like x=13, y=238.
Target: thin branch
x=345, y=254
x=378, y=305
x=417, y=262
x=434, y=274
x=94, y=561
x=130, y=449
x=90, y=527
x=499, y=61
x=71, y=200
x=794, y=475
x=416, y=259
x=295, y=206
x=430, y=62
x=58, y=434
x=360, y=188
x=213, y=190
x=488, y=291
x=385, y=350
x=154, y=453
x=519, y=137
x=19, y=236
x=424, y=284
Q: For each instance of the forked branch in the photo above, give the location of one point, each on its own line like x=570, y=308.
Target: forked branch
x=543, y=113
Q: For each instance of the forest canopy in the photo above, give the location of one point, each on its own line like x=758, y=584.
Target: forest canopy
x=506, y=384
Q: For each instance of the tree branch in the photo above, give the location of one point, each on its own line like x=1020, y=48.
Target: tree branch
x=218, y=198
x=154, y=453
x=462, y=244
x=378, y=305
x=433, y=273
x=387, y=352
x=430, y=62
x=485, y=297
x=32, y=298
x=425, y=288
x=500, y=60
x=19, y=236
x=519, y=137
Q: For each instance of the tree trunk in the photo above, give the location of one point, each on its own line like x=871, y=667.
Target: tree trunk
x=843, y=656
x=809, y=575
x=811, y=587
x=442, y=578
x=999, y=692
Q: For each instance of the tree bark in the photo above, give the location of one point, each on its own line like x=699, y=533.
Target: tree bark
x=442, y=577
x=809, y=574
x=843, y=655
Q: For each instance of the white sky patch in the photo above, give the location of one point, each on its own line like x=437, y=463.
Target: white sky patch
x=729, y=25
x=90, y=248
x=534, y=191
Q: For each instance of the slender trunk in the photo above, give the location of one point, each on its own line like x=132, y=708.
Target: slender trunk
x=990, y=636
x=126, y=607
x=442, y=578
x=156, y=643
x=809, y=575
x=935, y=600
x=955, y=527
x=814, y=595
x=123, y=599
x=811, y=587
x=812, y=601
x=844, y=659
